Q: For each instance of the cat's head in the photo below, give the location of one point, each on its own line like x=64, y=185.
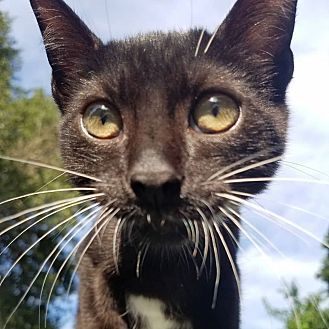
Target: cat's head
x=165, y=122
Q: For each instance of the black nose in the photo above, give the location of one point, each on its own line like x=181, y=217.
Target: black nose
x=156, y=191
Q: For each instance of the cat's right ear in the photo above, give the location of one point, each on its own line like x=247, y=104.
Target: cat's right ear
x=70, y=45
x=257, y=35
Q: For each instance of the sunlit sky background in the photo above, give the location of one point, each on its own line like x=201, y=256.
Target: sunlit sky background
x=308, y=139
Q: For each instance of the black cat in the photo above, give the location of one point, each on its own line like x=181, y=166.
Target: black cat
x=166, y=119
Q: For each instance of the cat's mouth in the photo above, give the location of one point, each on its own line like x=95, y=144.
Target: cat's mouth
x=185, y=223
x=160, y=227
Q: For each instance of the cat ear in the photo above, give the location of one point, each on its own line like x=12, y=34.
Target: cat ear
x=260, y=33
x=70, y=45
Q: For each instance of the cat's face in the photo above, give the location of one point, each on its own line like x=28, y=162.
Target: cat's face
x=162, y=120
x=160, y=141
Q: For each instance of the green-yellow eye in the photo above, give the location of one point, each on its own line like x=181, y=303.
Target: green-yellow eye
x=102, y=122
x=216, y=114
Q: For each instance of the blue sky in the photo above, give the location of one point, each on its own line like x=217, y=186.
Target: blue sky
x=308, y=138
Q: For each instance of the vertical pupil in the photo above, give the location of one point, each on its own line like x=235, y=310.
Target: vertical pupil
x=214, y=103
x=214, y=108
x=103, y=118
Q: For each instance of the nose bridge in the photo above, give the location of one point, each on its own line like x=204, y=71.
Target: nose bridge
x=156, y=146
x=155, y=165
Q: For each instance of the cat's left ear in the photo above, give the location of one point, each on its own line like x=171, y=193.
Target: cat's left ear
x=257, y=34
x=70, y=45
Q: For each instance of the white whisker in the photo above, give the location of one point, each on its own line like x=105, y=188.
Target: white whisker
x=46, y=192
x=238, y=244
x=141, y=258
x=216, y=256
x=47, y=206
x=252, y=166
x=197, y=238
x=206, y=246
x=51, y=181
x=70, y=205
x=263, y=236
x=188, y=229
x=221, y=237
x=247, y=235
x=144, y=256
x=104, y=228
x=139, y=255
x=283, y=204
x=282, y=219
x=49, y=256
x=258, y=248
x=32, y=282
x=86, y=221
x=66, y=260
x=276, y=179
x=295, y=168
x=102, y=214
x=192, y=230
x=101, y=217
x=222, y=222
x=184, y=255
x=62, y=206
x=229, y=255
x=193, y=233
x=105, y=212
x=33, y=245
x=292, y=164
x=212, y=39
x=275, y=222
x=199, y=43
x=115, y=237
x=42, y=165
x=234, y=165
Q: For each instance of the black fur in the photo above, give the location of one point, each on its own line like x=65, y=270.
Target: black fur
x=159, y=163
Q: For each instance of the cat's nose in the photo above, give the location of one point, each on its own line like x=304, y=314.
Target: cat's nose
x=157, y=190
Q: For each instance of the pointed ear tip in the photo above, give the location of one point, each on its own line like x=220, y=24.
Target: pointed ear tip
x=35, y=4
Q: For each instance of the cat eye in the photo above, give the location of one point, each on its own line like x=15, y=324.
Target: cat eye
x=101, y=121
x=216, y=114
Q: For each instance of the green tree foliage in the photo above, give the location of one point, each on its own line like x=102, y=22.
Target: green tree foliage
x=324, y=271
x=28, y=130
x=303, y=313
x=311, y=312
x=8, y=58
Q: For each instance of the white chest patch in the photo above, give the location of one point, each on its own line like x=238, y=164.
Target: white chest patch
x=150, y=314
